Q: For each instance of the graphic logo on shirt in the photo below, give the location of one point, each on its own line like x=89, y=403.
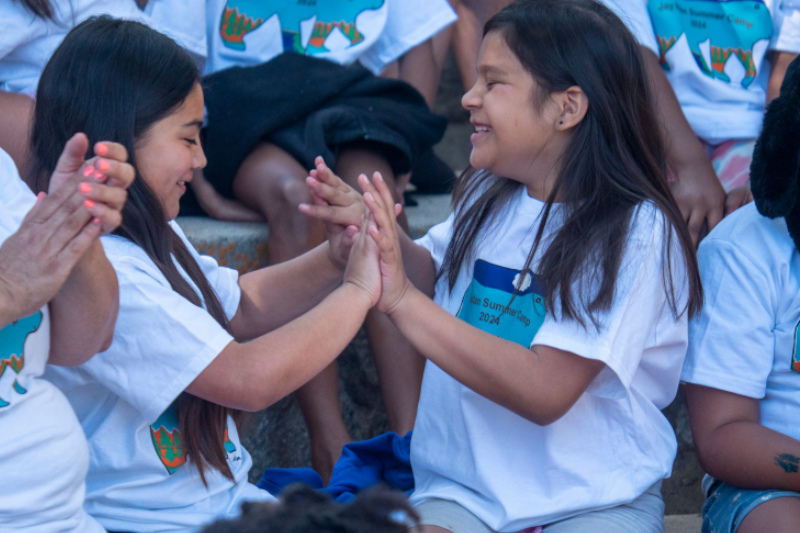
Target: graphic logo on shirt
x=488, y=304
x=168, y=440
x=12, y=343
x=722, y=35
x=795, y=355
x=331, y=19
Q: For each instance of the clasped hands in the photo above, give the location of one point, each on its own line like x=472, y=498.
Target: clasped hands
x=362, y=233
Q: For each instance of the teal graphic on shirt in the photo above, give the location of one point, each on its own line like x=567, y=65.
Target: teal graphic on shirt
x=169, y=442
x=795, y=355
x=240, y=17
x=488, y=304
x=12, y=344
x=716, y=31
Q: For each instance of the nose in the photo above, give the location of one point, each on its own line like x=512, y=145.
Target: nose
x=199, y=157
x=471, y=98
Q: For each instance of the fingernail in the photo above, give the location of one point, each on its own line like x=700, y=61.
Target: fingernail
x=101, y=149
x=96, y=220
x=86, y=188
x=40, y=197
x=103, y=165
x=99, y=176
x=88, y=171
x=89, y=204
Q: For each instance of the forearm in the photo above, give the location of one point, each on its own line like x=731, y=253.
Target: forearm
x=83, y=312
x=253, y=375
x=274, y=295
x=539, y=385
x=779, y=62
x=752, y=456
x=683, y=147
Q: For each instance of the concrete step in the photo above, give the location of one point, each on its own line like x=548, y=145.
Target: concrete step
x=683, y=523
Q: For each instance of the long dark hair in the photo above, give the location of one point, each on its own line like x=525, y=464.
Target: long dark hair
x=616, y=158
x=113, y=80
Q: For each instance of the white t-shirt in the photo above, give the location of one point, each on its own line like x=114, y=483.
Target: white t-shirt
x=43, y=453
x=374, y=32
x=745, y=339
x=138, y=476
x=613, y=444
x=714, y=55
x=27, y=42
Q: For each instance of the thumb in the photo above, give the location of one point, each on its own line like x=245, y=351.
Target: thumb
x=71, y=159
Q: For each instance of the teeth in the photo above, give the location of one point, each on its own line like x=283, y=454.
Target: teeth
x=481, y=129
x=181, y=183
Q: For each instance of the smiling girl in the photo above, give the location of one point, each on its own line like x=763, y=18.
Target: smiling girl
x=565, y=279
x=159, y=407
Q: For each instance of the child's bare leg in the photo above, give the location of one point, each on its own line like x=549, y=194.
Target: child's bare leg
x=272, y=182
x=398, y=363
x=400, y=369
x=781, y=515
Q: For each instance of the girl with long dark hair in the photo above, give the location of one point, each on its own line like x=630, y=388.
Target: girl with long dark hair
x=159, y=407
x=566, y=277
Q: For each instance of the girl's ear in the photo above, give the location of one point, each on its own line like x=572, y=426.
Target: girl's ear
x=572, y=105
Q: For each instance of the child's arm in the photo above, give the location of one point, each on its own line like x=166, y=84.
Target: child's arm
x=253, y=375
x=697, y=188
x=780, y=62
x=734, y=447
x=341, y=207
x=540, y=384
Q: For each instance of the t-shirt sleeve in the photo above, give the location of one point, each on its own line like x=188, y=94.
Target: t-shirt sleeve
x=408, y=24
x=162, y=341
x=786, y=21
x=638, y=309
x=437, y=239
x=636, y=17
x=17, y=199
x=735, y=325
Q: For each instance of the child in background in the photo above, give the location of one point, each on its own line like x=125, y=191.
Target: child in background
x=158, y=407
x=741, y=370
x=719, y=67
x=566, y=277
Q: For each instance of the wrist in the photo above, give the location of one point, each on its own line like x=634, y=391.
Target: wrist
x=359, y=293
x=333, y=260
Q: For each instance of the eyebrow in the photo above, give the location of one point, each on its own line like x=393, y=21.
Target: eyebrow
x=193, y=123
x=490, y=69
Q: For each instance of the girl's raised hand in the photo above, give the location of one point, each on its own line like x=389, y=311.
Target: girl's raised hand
x=102, y=180
x=383, y=230
x=362, y=268
x=338, y=205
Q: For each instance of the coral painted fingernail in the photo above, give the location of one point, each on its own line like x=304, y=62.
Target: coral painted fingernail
x=40, y=197
x=103, y=165
x=96, y=220
x=89, y=204
x=86, y=188
x=101, y=149
x=99, y=176
x=88, y=171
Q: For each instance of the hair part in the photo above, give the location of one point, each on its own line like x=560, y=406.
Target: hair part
x=565, y=43
x=113, y=80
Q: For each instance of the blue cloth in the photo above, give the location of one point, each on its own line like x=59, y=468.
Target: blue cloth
x=727, y=506
x=382, y=459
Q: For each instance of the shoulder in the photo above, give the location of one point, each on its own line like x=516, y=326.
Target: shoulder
x=749, y=235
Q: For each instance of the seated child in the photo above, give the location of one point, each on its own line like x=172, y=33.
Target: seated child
x=159, y=406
